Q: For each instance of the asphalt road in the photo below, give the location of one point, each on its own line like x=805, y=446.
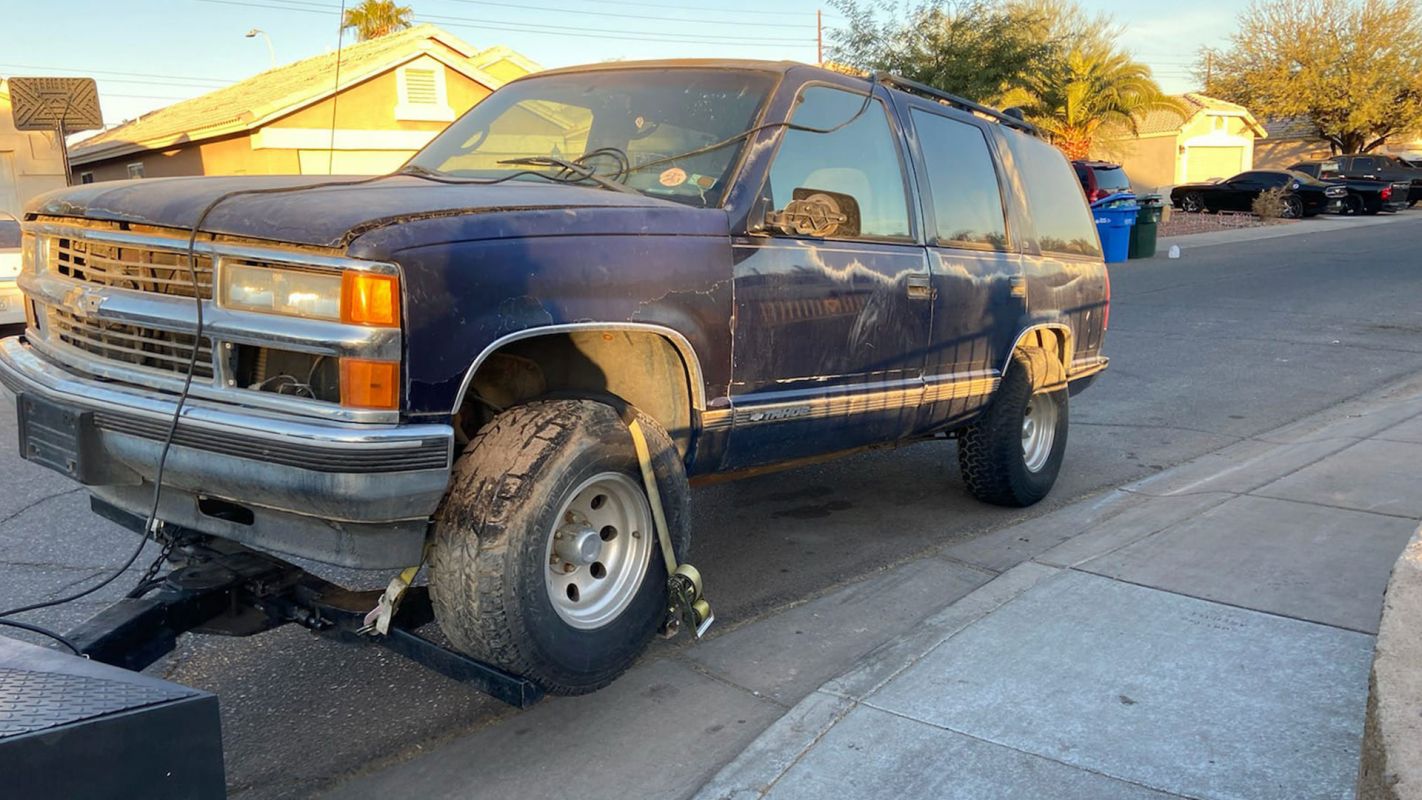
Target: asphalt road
x=1224, y=344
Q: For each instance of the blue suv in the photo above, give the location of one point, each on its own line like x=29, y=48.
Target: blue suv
x=514, y=353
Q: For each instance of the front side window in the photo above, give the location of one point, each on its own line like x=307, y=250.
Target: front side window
x=859, y=160
x=1060, y=219
x=967, y=201
x=636, y=126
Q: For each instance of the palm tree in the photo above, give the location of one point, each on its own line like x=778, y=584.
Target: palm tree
x=373, y=18
x=1092, y=88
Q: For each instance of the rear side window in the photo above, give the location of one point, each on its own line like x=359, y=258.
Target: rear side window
x=859, y=160
x=1062, y=223
x=1112, y=179
x=1363, y=163
x=9, y=233
x=967, y=201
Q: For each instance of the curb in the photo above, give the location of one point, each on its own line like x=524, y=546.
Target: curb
x=1391, y=767
x=1300, y=228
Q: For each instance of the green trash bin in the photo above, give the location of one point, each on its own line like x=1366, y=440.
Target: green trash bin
x=1143, y=232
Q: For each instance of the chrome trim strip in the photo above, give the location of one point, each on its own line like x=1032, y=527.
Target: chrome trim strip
x=178, y=314
x=1083, y=367
x=22, y=369
x=850, y=402
x=680, y=342
x=179, y=242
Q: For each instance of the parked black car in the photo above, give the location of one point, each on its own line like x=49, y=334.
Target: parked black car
x=1101, y=179
x=1378, y=167
x=1304, y=196
x=1364, y=196
x=516, y=350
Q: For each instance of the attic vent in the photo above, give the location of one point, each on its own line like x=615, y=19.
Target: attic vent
x=420, y=88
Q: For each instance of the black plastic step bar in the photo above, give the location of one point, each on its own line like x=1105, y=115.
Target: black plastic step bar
x=960, y=103
x=223, y=588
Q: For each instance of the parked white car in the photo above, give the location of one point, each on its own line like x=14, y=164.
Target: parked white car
x=12, y=310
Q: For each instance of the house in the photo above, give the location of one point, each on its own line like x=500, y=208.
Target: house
x=1295, y=139
x=31, y=162
x=1212, y=139
x=396, y=92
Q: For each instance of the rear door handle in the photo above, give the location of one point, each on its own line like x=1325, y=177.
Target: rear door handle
x=920, y=287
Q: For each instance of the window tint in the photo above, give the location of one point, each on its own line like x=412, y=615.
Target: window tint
x=859, y=160
x=967, y=201
x=9, y=232
x=1061, y=221
x=1362, y=163
x=1113, y=179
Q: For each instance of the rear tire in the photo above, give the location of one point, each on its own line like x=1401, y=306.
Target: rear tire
x=1011, y=455
x=499, y=580
x=1193, y=203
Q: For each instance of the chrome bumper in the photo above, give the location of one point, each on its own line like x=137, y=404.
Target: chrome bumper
x=326, y=491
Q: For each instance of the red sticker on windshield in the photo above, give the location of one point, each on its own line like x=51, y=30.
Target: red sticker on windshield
x=675, y=176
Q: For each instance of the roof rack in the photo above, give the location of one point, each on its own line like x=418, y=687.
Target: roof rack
x=957, y=102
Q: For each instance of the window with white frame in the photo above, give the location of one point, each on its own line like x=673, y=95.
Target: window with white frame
x=135, y=170
x=423, y=92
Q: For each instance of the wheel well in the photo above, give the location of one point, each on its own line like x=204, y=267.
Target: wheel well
x=641, y=368
x=1053, y=341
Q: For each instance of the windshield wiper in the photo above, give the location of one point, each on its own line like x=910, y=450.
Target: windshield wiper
x=416, y=169
x=569, y=166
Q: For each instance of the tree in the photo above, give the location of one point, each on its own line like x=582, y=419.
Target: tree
x=374, y=18
x=1060, y=65
x=1089, y=90
x=972, y=48
x=1353, y=68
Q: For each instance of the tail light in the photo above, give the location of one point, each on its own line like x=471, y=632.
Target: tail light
x=1386, y=193
x=1106, y=311
x=1097, y=194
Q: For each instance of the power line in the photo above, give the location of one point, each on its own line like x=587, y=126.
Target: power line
x=114, y=72
x=622, y=16
x=551, y=30
x=665, y=7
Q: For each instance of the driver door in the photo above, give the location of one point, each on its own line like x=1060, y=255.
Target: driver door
x=831, y=325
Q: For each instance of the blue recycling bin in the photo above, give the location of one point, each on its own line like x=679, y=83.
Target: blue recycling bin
x=1115, y=214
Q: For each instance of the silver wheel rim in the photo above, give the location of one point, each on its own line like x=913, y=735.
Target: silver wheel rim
x=598, y=550
x=1192, y=203
x=1039, y=431
x=1293, y=209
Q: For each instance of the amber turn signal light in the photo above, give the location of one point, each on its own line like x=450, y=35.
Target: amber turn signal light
x=370, y=299
x=370, y=384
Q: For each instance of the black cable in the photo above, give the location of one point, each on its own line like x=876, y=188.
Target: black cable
x=151, y=523
x=58, y=637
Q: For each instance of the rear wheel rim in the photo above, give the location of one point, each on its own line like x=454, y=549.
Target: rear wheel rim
x=598, y=551
x=1193, y=203
x=1039, y=431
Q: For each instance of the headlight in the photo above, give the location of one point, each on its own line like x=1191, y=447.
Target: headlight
x=362, y=298
x=300, y=293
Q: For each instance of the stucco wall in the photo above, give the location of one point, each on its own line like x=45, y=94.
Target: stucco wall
x=1280, y=153
x=369, y=138
x=1149, y=162
x=31, y=162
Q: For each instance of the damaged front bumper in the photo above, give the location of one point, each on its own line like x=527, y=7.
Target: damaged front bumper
x=354, y=495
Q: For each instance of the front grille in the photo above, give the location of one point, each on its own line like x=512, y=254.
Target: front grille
x=131, y=344
x=124, y=266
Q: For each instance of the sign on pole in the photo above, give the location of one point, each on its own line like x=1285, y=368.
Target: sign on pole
x=47, y=104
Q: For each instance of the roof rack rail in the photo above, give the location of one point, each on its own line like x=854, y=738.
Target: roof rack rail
x=957, y=102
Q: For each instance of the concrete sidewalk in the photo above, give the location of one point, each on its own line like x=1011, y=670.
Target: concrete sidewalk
x=1206, y=633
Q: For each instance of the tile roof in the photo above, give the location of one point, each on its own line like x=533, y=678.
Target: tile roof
x=245, y=104
x=1169, y=121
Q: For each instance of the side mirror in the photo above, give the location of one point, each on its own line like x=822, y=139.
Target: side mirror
x=817, y=213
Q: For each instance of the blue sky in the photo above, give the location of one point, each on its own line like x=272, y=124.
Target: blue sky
x=148, y=53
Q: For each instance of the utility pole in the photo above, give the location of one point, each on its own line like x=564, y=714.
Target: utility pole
x=819, y=36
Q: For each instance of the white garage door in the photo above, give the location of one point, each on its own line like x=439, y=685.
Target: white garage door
x=1204, y=163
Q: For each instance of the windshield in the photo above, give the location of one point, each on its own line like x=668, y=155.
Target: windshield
x=627, y=125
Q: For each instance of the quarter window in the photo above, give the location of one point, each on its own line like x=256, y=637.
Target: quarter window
x=967, y=200
x=859, y=160
x=1060, y=219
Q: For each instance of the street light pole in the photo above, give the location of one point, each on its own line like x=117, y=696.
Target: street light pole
x=271, y=51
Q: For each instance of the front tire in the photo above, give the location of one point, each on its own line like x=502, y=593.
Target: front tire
x=545, y=559
x=1011, y=455
x=1193, y=203
x=1293, y=208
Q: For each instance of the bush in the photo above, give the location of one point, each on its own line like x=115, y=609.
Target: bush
x=1269, y=204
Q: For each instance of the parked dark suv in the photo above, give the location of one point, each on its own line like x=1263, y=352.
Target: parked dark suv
x=1101, y=179
x=598, y=281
